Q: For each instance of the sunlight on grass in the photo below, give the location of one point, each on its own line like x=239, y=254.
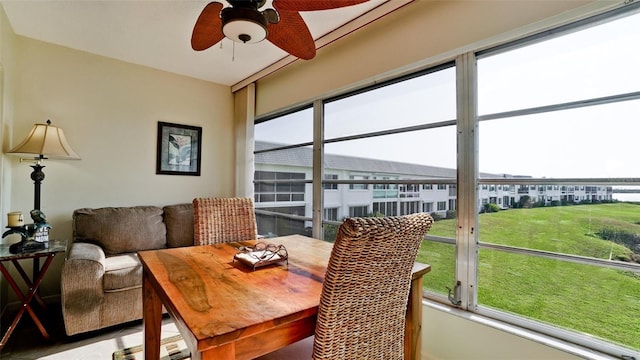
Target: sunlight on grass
x=441, y=257
x=594, y=300
x=590, y=299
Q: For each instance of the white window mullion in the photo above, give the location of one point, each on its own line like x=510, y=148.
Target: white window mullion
x=467, y=164
x=318, y=169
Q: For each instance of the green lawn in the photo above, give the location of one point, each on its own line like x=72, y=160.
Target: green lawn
x=594, y=300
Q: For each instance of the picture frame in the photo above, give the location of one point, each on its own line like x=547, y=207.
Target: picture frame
x=179, y=149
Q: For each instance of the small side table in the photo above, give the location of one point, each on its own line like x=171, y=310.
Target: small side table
x=55, y=247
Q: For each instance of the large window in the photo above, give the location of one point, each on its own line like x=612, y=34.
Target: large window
x=356, y=186
x=270, y=190
x=329, y=185
x=331, y=214
x=385, y=208
x=403, y=134
x=282, y=178
x=565, y=108
x=533, y=183
x=358, y=211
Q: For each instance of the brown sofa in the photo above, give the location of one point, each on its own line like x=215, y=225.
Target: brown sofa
x=102, y=276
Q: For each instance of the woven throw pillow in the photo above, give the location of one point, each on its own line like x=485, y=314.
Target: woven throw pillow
x=121, y=230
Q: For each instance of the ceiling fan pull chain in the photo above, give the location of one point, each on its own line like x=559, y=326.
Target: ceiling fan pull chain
x=233, y=52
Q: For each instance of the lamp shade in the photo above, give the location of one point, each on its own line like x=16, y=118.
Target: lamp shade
x=45, y=141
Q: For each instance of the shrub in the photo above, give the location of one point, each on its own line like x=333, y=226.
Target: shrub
x=451, y=214
x=524, y=202
x=330, y=232
x=623, y=237
x=490, y=208
x=539, y=204
x=622, y=257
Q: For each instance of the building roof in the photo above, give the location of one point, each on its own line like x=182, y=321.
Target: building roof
x=303, y=156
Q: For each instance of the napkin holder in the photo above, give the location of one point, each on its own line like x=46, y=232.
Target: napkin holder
x=261, y=255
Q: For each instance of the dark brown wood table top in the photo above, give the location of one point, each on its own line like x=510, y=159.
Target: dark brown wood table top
x=219, y=300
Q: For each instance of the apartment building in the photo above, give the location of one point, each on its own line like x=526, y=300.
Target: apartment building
x=350, y=187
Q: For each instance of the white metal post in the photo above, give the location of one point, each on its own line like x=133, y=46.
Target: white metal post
x=467, y=179
x=318, y=168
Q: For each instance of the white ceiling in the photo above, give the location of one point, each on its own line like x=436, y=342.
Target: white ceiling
x=157, y=33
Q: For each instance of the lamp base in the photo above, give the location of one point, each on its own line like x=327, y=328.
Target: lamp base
x=26, y=246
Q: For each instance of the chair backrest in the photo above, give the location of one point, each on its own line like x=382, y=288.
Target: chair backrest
x=366, y=288
x=222, y=220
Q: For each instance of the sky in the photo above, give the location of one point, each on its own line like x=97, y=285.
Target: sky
x=590, y=142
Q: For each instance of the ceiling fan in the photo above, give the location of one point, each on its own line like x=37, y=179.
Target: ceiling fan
x=243, y=22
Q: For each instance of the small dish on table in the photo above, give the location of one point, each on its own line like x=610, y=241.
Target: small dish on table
x=261, y=254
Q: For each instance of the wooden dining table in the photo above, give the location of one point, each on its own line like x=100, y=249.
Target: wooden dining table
x=225, y=309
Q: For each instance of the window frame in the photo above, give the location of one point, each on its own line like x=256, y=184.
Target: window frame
x=329, y=182
x=475, y=245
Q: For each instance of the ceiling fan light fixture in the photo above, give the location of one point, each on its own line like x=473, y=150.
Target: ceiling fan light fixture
x=244, y=25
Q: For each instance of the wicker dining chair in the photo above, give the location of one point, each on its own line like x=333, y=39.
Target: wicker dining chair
x=221, y=220
x=366, y=289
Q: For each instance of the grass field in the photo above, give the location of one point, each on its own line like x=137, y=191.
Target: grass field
x=595, y=300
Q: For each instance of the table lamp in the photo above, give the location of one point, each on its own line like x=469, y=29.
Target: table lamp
x=44, y=141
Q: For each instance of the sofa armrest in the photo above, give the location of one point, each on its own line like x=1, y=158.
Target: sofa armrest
x=81, y=286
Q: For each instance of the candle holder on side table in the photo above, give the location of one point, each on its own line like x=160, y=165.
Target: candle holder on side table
x=34, y=236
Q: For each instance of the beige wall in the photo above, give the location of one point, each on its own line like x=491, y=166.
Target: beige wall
x=421, y=32
x=455, y=337
x=6, y=104
x=109, y=111
x=6, y=112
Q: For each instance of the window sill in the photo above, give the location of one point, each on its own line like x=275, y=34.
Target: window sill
x=546, y=340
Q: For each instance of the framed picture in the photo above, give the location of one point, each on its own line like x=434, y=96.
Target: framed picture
x=179, y=149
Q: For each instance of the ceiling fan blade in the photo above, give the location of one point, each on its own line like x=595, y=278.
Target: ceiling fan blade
x=313, y=5
x=292, y=35
x=208, y=28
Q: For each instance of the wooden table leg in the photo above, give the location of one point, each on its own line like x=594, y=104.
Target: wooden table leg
x=27, y=281
x=152, y=319
x=413, y=329
x=25, y=298
x=17, y=317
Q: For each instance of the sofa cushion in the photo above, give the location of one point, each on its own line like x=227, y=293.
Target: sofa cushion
x=122, y=272
x=179, y=222
x=121, y=230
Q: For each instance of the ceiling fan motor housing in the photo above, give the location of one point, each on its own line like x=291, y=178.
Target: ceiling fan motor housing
x=244, y=24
